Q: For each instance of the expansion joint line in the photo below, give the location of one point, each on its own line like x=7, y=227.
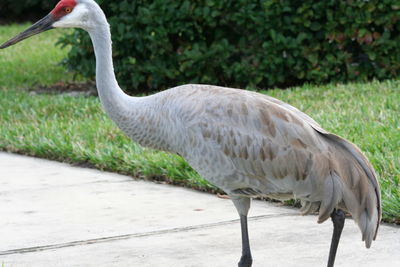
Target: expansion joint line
x=136, y=235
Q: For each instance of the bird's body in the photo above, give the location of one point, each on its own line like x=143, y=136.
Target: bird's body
x=252, y=145
x=246, y=143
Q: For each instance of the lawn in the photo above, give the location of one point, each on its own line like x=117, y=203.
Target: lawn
x=33, y=61
x=76, y=130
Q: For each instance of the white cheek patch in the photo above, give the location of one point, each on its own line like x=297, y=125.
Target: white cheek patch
x=76, y=18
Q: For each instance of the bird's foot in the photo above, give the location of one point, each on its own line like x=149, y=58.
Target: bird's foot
x=245, y=261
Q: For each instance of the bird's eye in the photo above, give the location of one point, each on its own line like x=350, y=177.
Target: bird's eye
x=68, y=10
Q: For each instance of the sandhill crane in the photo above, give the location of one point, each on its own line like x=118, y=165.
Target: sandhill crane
x=246, y=143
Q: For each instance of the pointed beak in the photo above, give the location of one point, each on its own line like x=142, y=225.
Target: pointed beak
x=42, y=25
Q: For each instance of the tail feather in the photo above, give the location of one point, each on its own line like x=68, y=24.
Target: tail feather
x=332, y=196
x=352, y=185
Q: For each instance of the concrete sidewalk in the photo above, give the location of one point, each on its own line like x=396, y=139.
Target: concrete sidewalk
x=53, y=214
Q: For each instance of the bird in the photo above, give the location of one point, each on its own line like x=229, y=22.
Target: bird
x=246, y=143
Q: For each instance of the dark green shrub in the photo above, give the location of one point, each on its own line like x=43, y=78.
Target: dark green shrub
x=23, y=10
x=240, y=43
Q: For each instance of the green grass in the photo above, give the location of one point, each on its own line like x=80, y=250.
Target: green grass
x=76, y=130
x=32, y=61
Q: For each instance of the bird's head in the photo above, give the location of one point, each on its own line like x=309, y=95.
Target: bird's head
x=66, y=14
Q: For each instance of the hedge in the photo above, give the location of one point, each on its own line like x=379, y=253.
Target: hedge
x=24, y=10
x=245, y=43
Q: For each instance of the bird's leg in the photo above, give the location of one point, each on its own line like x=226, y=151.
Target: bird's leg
x=246, y=259
x=242, y=205
x=338, y=218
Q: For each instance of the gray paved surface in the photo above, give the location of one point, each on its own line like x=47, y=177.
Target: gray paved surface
x=53, y=214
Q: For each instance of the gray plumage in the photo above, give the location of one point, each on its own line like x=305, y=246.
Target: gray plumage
x=247, y=144
x=253, y=145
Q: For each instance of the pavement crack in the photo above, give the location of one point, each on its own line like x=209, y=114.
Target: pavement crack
x=136, y=235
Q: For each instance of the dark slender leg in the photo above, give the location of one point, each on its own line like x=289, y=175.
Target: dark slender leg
x=246, y=259
x=338, y=218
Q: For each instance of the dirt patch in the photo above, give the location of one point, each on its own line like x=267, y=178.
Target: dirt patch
x=71, y=88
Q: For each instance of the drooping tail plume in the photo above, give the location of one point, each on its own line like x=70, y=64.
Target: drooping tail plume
x=354, y=187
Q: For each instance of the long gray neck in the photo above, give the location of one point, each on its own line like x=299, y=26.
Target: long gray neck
x=111, y=96
x=133, y=115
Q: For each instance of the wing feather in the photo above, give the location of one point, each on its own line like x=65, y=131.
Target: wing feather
x=276, y=150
